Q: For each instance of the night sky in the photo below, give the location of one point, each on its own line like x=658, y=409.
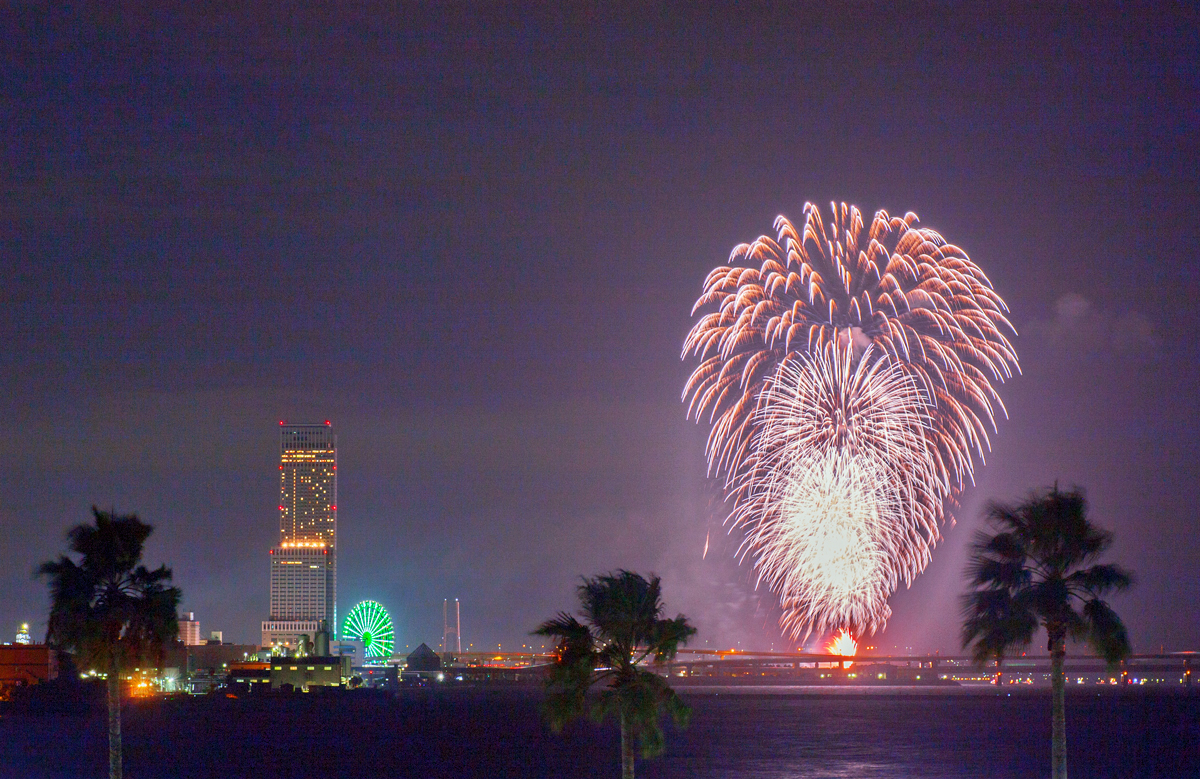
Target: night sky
x=472, y=237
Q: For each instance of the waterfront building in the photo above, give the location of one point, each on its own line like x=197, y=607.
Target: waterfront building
x=379, y=677
x=303, y=673
x=25, y=664
x=303, y=577
x=189, y=629
x=254, y=675
x=202, y=667
x=423, y=660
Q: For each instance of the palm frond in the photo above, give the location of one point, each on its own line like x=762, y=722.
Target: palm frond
x=1106, y=633
x=564, y=627
x=622, y=625
x=994, y=622
x=1002, y=546
x=1011, y=520
x=107, y=606
x=621, y=606
x=1028, y=574
x=563, y=705
x=1100, y=580
x=997, y=574
x=641, y=697
x=666, y=637
x=1050, y=598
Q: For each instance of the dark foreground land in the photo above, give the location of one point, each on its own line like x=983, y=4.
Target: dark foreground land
x=759, y=733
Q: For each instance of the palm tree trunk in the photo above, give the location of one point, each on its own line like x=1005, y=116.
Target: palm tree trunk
x=1058, y=717
x=626, y=749
x=114, y=719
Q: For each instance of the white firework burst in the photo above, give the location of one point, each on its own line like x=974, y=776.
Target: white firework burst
x=849, y=369
x=836, y=503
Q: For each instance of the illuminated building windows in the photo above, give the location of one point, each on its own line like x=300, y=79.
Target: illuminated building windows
x=304, y=565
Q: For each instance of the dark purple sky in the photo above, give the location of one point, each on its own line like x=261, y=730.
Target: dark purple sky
x=472, y=238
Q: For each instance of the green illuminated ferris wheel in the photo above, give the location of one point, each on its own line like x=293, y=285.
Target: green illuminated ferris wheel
x=369, y=623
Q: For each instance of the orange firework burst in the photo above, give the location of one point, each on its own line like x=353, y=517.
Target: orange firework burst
x=843, y=644
x=848, y=372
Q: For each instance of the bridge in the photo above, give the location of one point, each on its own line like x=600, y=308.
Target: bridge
x=1176, y=668
x=721, y=666
x=733, y=666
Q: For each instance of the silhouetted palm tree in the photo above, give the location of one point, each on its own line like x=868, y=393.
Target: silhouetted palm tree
x=1031, y=574
x=623, y=627
x=109, y=610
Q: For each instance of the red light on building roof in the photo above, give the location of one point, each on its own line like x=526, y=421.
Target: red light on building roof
x=327, y=421
x=333, y=507
x=281, y=508
x=281, y=421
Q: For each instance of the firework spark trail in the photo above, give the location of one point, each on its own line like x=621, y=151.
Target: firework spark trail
x=832, y=511
x=848, y=378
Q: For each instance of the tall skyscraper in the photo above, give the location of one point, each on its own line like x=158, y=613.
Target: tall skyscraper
x=304, y=564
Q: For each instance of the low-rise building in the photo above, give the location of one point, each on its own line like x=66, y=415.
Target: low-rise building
x=25, y=664
x=423, y=663
x=199, y=669
x=287, y=634
x=385, y=677
x=250, y=676
x=303, y=673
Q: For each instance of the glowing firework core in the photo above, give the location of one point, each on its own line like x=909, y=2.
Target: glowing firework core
x=842, y=644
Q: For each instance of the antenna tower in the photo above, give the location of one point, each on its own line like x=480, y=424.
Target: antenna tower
x=451, y=636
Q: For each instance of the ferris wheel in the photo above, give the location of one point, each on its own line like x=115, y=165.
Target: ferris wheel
x=369, y=623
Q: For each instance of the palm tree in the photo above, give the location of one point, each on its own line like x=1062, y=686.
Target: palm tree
x=623, y=628
x=1030, y=574
x=109, y=610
